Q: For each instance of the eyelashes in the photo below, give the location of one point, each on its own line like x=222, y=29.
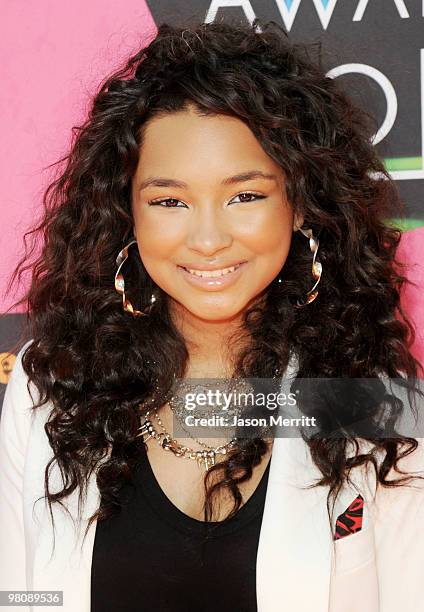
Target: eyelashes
x=162, y=201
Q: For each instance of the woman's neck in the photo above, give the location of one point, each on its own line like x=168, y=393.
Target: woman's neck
x=212, y=345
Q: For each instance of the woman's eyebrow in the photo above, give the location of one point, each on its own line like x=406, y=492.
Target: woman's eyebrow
x=160, y=181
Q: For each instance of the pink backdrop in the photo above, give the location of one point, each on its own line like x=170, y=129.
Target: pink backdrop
x=411, y=251
x=57, y=53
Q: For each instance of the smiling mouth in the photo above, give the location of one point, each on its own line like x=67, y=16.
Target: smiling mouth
x=212, y=273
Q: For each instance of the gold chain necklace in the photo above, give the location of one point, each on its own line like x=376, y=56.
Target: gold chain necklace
x=205, y=458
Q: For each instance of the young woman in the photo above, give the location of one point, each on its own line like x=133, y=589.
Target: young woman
x=221, y=214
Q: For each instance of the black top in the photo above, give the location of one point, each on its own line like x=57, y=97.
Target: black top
x=154, y=557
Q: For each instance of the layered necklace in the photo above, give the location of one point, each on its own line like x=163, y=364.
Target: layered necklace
x=206, y=456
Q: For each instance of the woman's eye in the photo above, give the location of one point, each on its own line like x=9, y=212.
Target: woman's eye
x=249, y=195
x=161, y=203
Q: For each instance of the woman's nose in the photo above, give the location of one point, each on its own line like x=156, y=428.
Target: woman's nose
x=208, y=231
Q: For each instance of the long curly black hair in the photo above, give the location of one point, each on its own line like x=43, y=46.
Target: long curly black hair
x=97, y=364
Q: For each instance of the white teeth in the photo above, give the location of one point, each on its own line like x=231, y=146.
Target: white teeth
x=213, y=273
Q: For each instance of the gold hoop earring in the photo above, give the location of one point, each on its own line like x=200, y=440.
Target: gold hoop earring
x=316, y=268
x=120, y=284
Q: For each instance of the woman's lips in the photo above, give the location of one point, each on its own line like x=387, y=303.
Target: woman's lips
x=214, y=283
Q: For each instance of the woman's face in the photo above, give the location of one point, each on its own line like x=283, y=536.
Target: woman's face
x=206, y=197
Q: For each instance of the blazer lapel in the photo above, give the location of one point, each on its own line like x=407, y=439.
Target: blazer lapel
x=296, y=558
x=295, y=546
x=69, y=567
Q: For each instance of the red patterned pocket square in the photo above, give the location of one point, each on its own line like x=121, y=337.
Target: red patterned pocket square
x=350, y=521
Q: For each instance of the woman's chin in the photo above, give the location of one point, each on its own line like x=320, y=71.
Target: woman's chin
x=218, y=310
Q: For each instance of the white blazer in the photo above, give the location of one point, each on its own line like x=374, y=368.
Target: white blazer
x=299, y=566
